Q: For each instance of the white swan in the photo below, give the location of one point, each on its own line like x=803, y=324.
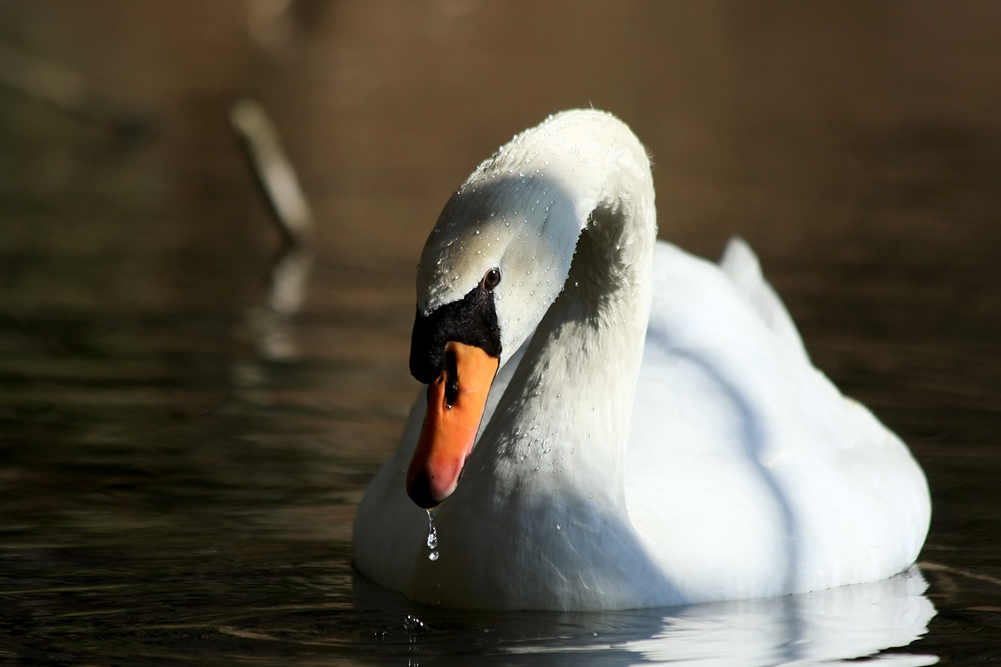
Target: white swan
x=660, y=439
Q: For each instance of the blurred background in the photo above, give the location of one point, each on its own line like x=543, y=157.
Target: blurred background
x=174, y=428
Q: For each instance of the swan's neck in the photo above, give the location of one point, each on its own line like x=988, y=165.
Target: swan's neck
x=563, y=423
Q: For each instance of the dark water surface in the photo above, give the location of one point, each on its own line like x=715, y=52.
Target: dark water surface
x=180, y=466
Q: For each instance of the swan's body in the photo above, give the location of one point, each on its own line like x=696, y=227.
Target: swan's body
x=738, y=471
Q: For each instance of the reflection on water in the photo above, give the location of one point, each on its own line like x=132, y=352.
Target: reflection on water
x=850, y=622
x=239, y=603
x=187, y=425
x=268, y=322
x=845, y=623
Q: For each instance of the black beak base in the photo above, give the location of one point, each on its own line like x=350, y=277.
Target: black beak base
x=471, y=320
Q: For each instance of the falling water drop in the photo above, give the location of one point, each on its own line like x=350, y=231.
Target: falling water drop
x=432, y=540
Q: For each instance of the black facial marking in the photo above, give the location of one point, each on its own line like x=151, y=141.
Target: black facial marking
x=451, y=379
x=472, y=321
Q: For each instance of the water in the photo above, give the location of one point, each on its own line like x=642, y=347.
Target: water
x=180, y=465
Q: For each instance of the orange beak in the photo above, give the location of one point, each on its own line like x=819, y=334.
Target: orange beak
x=455, y=407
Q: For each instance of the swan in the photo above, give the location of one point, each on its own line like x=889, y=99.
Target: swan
x=612, y=423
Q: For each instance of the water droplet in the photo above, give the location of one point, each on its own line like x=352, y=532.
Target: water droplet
x=432, y=540
x=477, y=232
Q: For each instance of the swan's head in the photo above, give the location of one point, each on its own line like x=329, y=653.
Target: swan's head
x=496, y=260
x=493, y=265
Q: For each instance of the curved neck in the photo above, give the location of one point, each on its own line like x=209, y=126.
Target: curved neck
x=564, y=418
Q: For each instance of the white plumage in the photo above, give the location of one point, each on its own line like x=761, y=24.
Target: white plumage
x=661, y=436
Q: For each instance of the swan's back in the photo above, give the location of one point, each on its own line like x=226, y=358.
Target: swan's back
x=748, y=474
x=741, y=266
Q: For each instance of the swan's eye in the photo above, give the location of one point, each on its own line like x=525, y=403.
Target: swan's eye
x=491, y=278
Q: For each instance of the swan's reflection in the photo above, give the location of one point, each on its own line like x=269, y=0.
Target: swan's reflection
x=837, y=624
x=807, y=629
